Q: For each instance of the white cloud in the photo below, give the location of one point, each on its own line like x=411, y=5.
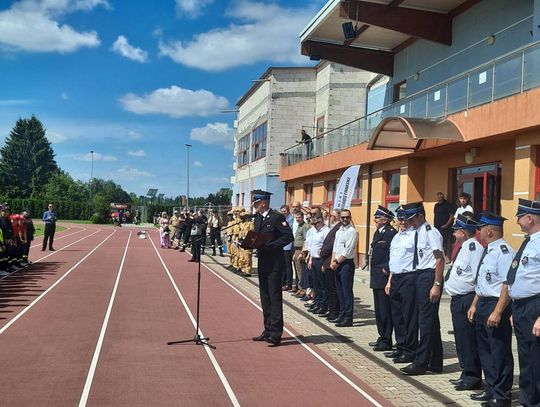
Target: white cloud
x=138, y=153
x=191, y=8
x=197, y=164
x=97, y=157
x=214, y=133
x=14, y=102
x=55, y=138
x=266, y=32
x=33, y=26
x=133, y=135
x=123, y=47
x=175, y=102
x=128, y=173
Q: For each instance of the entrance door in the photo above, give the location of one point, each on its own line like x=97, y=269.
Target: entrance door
x=482, y=183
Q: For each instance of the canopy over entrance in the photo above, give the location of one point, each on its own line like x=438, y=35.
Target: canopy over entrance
x=400, y=133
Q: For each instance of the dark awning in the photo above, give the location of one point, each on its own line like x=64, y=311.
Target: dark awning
x=400, y=133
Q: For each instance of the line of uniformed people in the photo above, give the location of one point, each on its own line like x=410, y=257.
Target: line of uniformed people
x=487, y=285
x=237, y=228
x=16, y=235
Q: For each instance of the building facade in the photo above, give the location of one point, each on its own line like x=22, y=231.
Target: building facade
x=460, y=110
x=281, y=103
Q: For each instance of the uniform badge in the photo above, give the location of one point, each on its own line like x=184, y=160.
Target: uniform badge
x=284, y=223
x=504, y=249
x=428, y=227
x=459, y=271
x=524, y=260
x=472, y=246
x=420, y=253
x=488, y=277
x=514, y=264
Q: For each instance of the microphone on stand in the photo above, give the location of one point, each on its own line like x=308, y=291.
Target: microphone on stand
x=248, y=217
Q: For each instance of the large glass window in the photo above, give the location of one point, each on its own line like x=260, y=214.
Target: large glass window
x=259, y=142
x=391, y=196
x=308, y=194
x=507, y=77
x=243, y=151
x=480, y=86
x=320, y=126
x=330, y=189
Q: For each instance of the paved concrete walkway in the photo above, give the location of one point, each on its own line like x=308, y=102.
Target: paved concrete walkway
x=349, y=346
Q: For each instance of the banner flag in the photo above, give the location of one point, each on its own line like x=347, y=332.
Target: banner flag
x=346, y=188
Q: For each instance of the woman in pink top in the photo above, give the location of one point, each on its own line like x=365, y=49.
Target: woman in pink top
x=164, y=230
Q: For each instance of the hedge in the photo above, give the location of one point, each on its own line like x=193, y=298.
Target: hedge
x=65, y=209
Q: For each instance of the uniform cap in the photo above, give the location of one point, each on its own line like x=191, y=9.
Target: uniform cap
x=410, y=210
x=527, y=207
x=383, y=212
x=463, y=222
x=260, y=195
x=490, y=218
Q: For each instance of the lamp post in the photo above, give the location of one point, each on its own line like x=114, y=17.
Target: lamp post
x=91, y=181
x=187, y=162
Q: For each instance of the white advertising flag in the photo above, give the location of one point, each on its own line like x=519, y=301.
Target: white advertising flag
x=346, y=187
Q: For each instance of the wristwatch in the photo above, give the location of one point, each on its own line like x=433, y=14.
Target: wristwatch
x=437, y=283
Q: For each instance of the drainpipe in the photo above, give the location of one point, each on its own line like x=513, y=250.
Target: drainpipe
x=368, y=208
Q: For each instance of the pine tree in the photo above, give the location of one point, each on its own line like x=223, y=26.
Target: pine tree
x=26, y=160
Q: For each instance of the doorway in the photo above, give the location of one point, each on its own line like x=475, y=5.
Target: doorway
x=483, y=184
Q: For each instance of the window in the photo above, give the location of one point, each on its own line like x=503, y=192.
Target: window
x=243, y=151
x=391, y=195
x=237, y=199
x=358, y=190
x=308, y=193
x=537, y=177
x=320, y=126
x=243, y=197
x=400, y=91
x=330, y=188
x=290, y=195
x=258, y=145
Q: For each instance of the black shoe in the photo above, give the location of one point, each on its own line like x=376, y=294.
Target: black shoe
x=434, y=369
x=484, y=396
x=413, y=370
x=462, y=386
x=213, y=253
x=192, y=260
x=320, y=312
x=456, y=382
x=272, y=341
x=43, y=249
x=394, y=354
x=335, y=320
x=325, y=315
x=344, y=323
x=314, y=310
x=259, y=338
x=375, y=343
x=331, y=317
x=380, y=347
x=51, y=249
x=403, y=359
x=497, y=403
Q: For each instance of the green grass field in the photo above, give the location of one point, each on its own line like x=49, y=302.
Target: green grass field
x=41, y=228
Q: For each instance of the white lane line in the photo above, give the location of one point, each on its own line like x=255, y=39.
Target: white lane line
x=61, y=236
x=97, y=351
x=213, y=359
x=51, y=254
x=29, y=307
x=323, y=361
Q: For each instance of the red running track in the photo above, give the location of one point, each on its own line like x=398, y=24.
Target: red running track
x=89, y=326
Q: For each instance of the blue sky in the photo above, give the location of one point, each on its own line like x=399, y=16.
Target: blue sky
x=135, y=80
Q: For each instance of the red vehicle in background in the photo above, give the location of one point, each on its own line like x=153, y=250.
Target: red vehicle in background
x=120, y=213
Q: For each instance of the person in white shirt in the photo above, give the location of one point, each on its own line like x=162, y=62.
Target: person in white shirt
x=343, y=255
x=314, y=240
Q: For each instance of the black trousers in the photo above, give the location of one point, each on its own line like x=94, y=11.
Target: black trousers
x=319, y=284
x=196, y=243
x=287, y=276
x=404, y=312
x=272, y=302
x=465, y=337
x=430, y=350
x=215, y=237
x=50, y=228
x=383, y=315
x=333, y=299
x=495, y=349
x=525, y=312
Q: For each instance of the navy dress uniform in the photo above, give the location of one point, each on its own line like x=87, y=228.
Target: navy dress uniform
x=271, y=263
x=403, y=292
x=523, y=280
x=459, y=284
x=494, y=343
x=379, y=273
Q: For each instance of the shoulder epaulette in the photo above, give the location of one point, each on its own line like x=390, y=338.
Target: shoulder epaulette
x=472, y=246
x=428, y=227
x=504, y=249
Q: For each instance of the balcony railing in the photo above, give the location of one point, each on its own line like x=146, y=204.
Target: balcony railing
x=510, y=74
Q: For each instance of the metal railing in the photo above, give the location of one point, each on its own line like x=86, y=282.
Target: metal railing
x=509, y=74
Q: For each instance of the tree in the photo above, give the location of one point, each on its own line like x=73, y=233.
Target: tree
x=26, y=160
x=61, y=185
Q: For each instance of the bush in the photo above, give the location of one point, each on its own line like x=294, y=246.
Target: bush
x=73, y=210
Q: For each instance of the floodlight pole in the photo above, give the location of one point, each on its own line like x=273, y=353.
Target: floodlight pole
x=187, y=165
x=91, y=182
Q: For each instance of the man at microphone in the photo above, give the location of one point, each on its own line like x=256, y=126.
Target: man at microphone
x=271, y=263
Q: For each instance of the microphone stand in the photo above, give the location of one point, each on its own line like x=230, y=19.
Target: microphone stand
x=198, y=339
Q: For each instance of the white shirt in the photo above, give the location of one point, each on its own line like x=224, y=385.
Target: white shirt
x=527, y=282
x=290, y=220
x=461, y=209
x=402, y=252
x=345, y=242
x=494, y=268
x=463, y=272
x=429, y=240
x=315, y=239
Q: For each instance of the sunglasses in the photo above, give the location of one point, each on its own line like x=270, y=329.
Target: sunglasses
x=345, y=217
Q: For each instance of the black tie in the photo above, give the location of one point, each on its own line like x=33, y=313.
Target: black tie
x=447, y=276
x=511, y=276
x=415, y=257
x=480, y=264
